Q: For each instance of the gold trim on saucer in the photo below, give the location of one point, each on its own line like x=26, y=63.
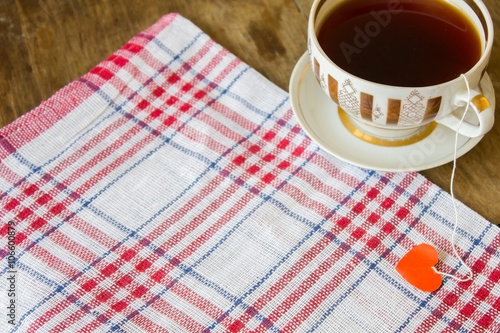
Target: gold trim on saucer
x=302, y=75
x=418, y=136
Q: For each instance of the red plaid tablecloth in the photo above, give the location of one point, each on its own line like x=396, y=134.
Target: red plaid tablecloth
x=171, y=189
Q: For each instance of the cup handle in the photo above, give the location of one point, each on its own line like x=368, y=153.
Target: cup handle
x=483, y=110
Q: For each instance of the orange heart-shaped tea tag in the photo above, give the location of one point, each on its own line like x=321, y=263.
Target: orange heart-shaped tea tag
x=416, y=267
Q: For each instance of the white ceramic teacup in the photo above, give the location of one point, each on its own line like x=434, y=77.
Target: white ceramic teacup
x=392, y=111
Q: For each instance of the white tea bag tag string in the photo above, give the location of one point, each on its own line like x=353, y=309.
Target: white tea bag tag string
x=454, y=203
x=417, y=267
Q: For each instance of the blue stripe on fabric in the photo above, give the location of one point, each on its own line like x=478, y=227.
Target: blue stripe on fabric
x=113, y=105
x=460, y=231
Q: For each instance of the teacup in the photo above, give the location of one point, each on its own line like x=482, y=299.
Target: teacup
x=392, y=111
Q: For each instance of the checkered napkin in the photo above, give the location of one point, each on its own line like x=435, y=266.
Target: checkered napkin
x=171, y=189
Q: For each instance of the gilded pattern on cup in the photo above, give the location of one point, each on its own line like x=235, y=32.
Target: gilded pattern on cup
x=348, y=98
x=413, y=109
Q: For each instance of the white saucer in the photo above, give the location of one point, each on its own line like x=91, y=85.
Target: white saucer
x=319, y=117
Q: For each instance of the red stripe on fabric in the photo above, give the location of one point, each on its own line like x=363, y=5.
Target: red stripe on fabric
x=212, y=230
x=132, y=48
x=233, y=116
x=30, y=190
x=11, y=204
x=169, y=121
x=194, y=201
x=6, y=147
x=202, y=303
x=100, y=296
x=173, y=78
x=319, y=296
x=38, y=223
x=116, y=163
x=56, y=236
x=40, y=321
x=102, y=72
x=285, y=279
x=140, y=291
x=90, y=144
x=41, y=224
x=165, y=309
x=186, y=87
x=118, y=60
x=89, y=285
x=53, y=261
x=105, y=153
x=73, y=318
x=236, y=326
x=227, y=69
x=143, y=322
x=61, y=307
x=158, y=92
x=143, y=104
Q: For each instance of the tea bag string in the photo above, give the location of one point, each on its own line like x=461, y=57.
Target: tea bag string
x=470, y=273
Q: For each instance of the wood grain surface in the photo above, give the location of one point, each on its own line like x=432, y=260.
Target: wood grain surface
x=45, y=44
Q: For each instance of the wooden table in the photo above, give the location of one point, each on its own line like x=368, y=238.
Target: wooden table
x=45, y=44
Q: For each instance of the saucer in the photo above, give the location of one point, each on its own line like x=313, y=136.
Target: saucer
x=320, y=118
